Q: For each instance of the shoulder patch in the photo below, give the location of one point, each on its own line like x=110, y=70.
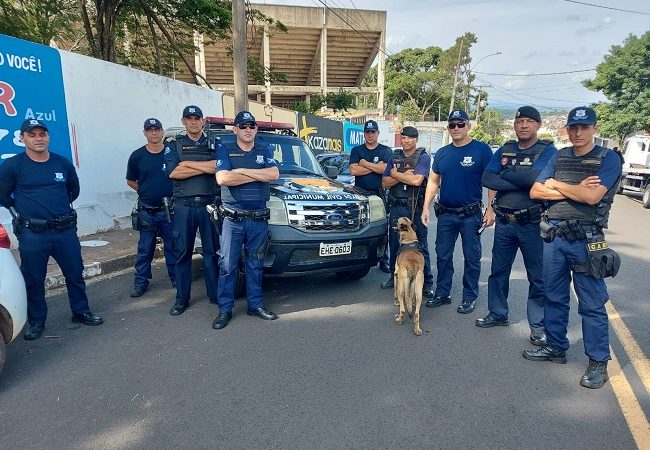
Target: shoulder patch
x=170, y=139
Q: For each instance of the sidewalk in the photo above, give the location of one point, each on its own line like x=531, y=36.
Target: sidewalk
x=103, y=253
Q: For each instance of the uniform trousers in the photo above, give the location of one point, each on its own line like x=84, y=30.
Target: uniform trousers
x=158, y=224
x=35, y=250
x=508, y=237
x=560, y=256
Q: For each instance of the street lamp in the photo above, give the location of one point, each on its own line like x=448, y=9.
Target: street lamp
x=469, y=80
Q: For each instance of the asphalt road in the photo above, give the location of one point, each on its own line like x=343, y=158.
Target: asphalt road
x=333, y=372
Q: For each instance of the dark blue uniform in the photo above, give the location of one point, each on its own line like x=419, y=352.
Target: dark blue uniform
x=409, y=206
x=191, y=196
x=42, y=192
x=561, y=255
x=512, y=172
x=460, y=169
x=245, y=231
x=148, y=170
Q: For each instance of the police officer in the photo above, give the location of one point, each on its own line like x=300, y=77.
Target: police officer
x=457, y=169
x=190, y=163
x=511, y=173
x=244, y=170
x=367, y=164
x=145, y=174
x=41, y=187
x=406, y=179
x=579, y=184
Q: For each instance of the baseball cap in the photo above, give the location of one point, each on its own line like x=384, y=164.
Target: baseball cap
x=192, y=110
x=370, y=125
x=581, y=115
x=530, y=112
x=410, y=132
x=458, y=114
x=152, y=122
x=30, y=124
x=244, y=117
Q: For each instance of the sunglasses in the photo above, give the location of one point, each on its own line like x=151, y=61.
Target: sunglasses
x=244, y=126
x=451, y=126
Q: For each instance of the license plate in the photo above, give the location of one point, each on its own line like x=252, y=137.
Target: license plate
x=339, y=248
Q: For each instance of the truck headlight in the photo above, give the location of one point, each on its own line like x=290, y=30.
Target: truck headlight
x=278, y=211
x=376, y=207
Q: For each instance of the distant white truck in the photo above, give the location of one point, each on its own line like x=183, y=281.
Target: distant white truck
x=636, y=169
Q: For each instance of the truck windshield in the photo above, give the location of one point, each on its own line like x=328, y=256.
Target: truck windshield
x=292, y=154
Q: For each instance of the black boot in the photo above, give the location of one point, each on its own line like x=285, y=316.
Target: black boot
x=595, y=376
x=546, y=353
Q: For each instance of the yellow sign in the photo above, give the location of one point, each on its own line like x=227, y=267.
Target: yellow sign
x=595, y=246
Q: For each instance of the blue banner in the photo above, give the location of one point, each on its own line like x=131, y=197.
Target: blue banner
x=353, y=135
x=31, y=87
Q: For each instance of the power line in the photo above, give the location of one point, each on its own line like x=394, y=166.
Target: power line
x=609, y=7
x=535, y=74
x=530, y=95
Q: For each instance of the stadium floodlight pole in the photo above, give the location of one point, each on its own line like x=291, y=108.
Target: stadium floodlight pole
x=239, y=56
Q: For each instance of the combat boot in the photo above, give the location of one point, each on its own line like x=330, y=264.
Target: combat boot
x=595, y=376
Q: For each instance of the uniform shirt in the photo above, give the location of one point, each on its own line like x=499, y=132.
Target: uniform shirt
x=521, y=180
x=148, y=169
x=381, y=153
x=223, y=163
x=610, y=169
x=421, y=168
x=170, y=154
x=461, y=169
x=41, y=190
x=496, y=164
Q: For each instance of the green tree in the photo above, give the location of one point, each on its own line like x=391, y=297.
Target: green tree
x=624, y=78
x=490, y=128
x=40, y=21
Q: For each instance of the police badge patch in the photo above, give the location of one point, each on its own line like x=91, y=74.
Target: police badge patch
x=58, y=176
x=260, y=159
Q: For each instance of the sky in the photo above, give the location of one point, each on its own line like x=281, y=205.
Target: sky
x=533, y=37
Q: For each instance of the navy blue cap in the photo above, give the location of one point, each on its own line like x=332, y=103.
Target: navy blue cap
x=458, y=114
x=30, y=124
x=152, y=122
x=192, y=110
x=410, y=132
x=530, y=112
x=581, y=115
x=370, y=125
x=244, y=117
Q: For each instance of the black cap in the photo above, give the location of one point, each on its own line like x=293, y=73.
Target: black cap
x=30, y=124
x=530, y=112
x=370, y=125
x=410, y=132
x=458, y=114
x=244, y=117
x=192, y=110
x=152, y=122
x=581, y=115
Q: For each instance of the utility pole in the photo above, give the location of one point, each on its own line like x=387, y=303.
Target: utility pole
x=453, y=92
x=239, y=56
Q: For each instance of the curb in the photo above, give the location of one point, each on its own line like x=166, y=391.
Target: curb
x=96, y=269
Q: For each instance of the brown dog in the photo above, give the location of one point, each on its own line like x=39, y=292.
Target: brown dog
x=409, y=274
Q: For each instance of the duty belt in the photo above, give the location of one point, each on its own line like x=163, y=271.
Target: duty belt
x=241, y=214
x=40, y=225
x=522, y=216
x=461, y=212
x=150, y=209
x=571, y=230
x=193, y=201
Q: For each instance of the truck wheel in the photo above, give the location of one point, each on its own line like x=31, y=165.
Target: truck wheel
x=353, y=274
x=646, y=197
x=3, y=353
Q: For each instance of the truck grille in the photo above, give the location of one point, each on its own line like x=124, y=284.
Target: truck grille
x=333, y=216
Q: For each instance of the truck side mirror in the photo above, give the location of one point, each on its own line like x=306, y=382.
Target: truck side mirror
x=332, y=172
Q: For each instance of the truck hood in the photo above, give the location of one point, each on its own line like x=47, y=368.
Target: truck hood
x=313, y=188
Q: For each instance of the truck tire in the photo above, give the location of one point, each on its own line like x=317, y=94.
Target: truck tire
x=3, y=353
x=353, y=274
x=646, y=197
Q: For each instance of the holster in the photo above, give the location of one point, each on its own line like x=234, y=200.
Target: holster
x=437, y=209
x=602, y=261
x=547, y=231
x=215, y=216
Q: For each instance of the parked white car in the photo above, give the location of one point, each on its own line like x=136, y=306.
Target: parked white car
x=13, y=298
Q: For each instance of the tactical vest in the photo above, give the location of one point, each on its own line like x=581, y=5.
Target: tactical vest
x=518, y=161
x=255, y=191
x=402, y=191
x=573, y=169
x=198, y=185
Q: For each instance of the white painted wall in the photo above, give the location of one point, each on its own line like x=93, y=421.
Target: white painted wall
x=107, y=105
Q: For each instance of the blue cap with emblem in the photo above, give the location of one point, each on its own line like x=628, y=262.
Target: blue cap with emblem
x=530, y=112
x=193, y=110
x=458, y=114
x=581, y=115
x=370, y=125
x=244, y=117
x=409, y=132
x=152, y=123
x=30, y=124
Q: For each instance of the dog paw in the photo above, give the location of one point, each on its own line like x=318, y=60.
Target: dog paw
x=399, y=319
x=417, y=331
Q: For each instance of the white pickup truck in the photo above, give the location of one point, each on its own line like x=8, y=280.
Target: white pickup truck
x=636, y=170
